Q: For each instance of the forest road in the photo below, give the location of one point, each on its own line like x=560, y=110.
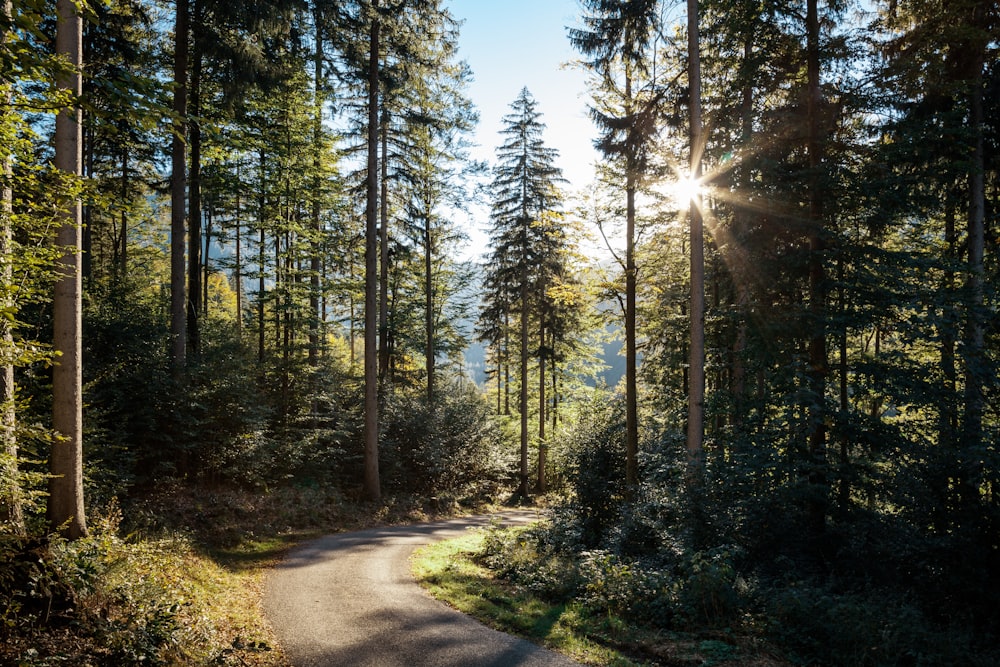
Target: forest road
x=350, y=600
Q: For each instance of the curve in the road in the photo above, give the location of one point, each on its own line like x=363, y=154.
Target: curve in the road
x=350, y=600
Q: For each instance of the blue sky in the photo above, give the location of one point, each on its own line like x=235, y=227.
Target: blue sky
x=510, y=44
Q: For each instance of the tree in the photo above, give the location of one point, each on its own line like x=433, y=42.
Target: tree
x=65, y=505
x=372, y=487
x=10, y=502
x=525, y=196
x=696, y=388
x=178, y=188
x=618, y=40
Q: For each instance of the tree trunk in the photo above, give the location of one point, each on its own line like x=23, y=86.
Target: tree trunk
x=523, y=406
x=315, y=322
x=817, y=279
x=383, y=238
x=696, y=381
x=11, y=512
x=194, y=193
x=973, y=353
x=372, y=487
x=429, y=304
x=631, y=369
x=178, y=188
x=542, y=447
x=65, y=502
x=261, y=263
x=238, y=279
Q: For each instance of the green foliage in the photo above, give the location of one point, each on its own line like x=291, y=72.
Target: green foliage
x=96, y=601
x=452, y=447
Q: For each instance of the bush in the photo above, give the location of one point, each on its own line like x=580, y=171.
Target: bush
x=452, y=447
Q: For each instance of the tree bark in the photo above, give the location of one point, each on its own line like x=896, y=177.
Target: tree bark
x=696, y=380
x=65, y=503
x=194, y=193
x=817, y=280
x=11, y=512
x=372, y=488
x=631, y=366
x=178, y=188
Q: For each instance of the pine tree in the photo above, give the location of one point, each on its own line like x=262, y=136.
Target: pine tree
x=525, y=197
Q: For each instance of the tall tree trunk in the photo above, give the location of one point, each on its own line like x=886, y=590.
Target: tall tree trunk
x=383, y=238
x=817, y=280
x=631, y=367
x=65, y=503
x=194, y=192
x=523, y=406
x=11, y=512
x=207, y=264
x=238, y=268
x=540, y=485
x=261, y=263
x=372, y=487
x=315, y=322
x=696, y=381
x=429, y=303
x=972, y=425
x=178, y=190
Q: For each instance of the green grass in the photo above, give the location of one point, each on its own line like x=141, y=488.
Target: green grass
x=448, y=571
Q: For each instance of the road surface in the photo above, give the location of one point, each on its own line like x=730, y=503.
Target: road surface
x=350, y=600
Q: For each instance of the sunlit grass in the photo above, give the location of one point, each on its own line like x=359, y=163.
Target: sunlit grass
x=448, y=571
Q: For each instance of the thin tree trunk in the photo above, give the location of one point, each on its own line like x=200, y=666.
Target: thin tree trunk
x=65, y=502
x=11, y=512
x=239, y=264
x=631, y=367
x=542, y=417
x=817, y=279
x=207, y=264
x=972, y=426
x=429, y=303
x=372, y=487
x=194, y=193
x=178, y=191
x=261, y=263
x=523, y=486
x=315, y=321
x=383, y=238
x=696, y=381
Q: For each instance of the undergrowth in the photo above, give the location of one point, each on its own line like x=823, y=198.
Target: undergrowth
x=174, y=578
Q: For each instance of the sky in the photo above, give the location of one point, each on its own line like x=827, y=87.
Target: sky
x=512, y=44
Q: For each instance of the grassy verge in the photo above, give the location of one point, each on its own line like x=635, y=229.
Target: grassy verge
x=450, y=573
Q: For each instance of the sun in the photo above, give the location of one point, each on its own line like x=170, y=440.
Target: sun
x=685, y=190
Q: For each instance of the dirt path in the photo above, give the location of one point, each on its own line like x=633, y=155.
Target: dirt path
x=350, y=600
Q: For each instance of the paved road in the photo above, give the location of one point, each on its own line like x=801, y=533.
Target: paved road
x=350, y=600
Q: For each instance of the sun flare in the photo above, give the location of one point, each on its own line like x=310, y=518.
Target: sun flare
x=685, y=190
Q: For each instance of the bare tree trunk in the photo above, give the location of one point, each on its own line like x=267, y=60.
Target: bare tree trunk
x=65, y=503
x=261, y=263
x=696, y=381
x=540, y=485
x=429, y=303
x=383, y=239
x=631, y=367
x=974, y=399
x=178, y=191
x=315, y=322
x=372, y=487
x=194, y=194
x=238, y=279
x=523, y=406
x=817, y=278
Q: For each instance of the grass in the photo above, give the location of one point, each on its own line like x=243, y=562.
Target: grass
x=449, y=572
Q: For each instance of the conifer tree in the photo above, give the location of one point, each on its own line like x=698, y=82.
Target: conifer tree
x=525, y=195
